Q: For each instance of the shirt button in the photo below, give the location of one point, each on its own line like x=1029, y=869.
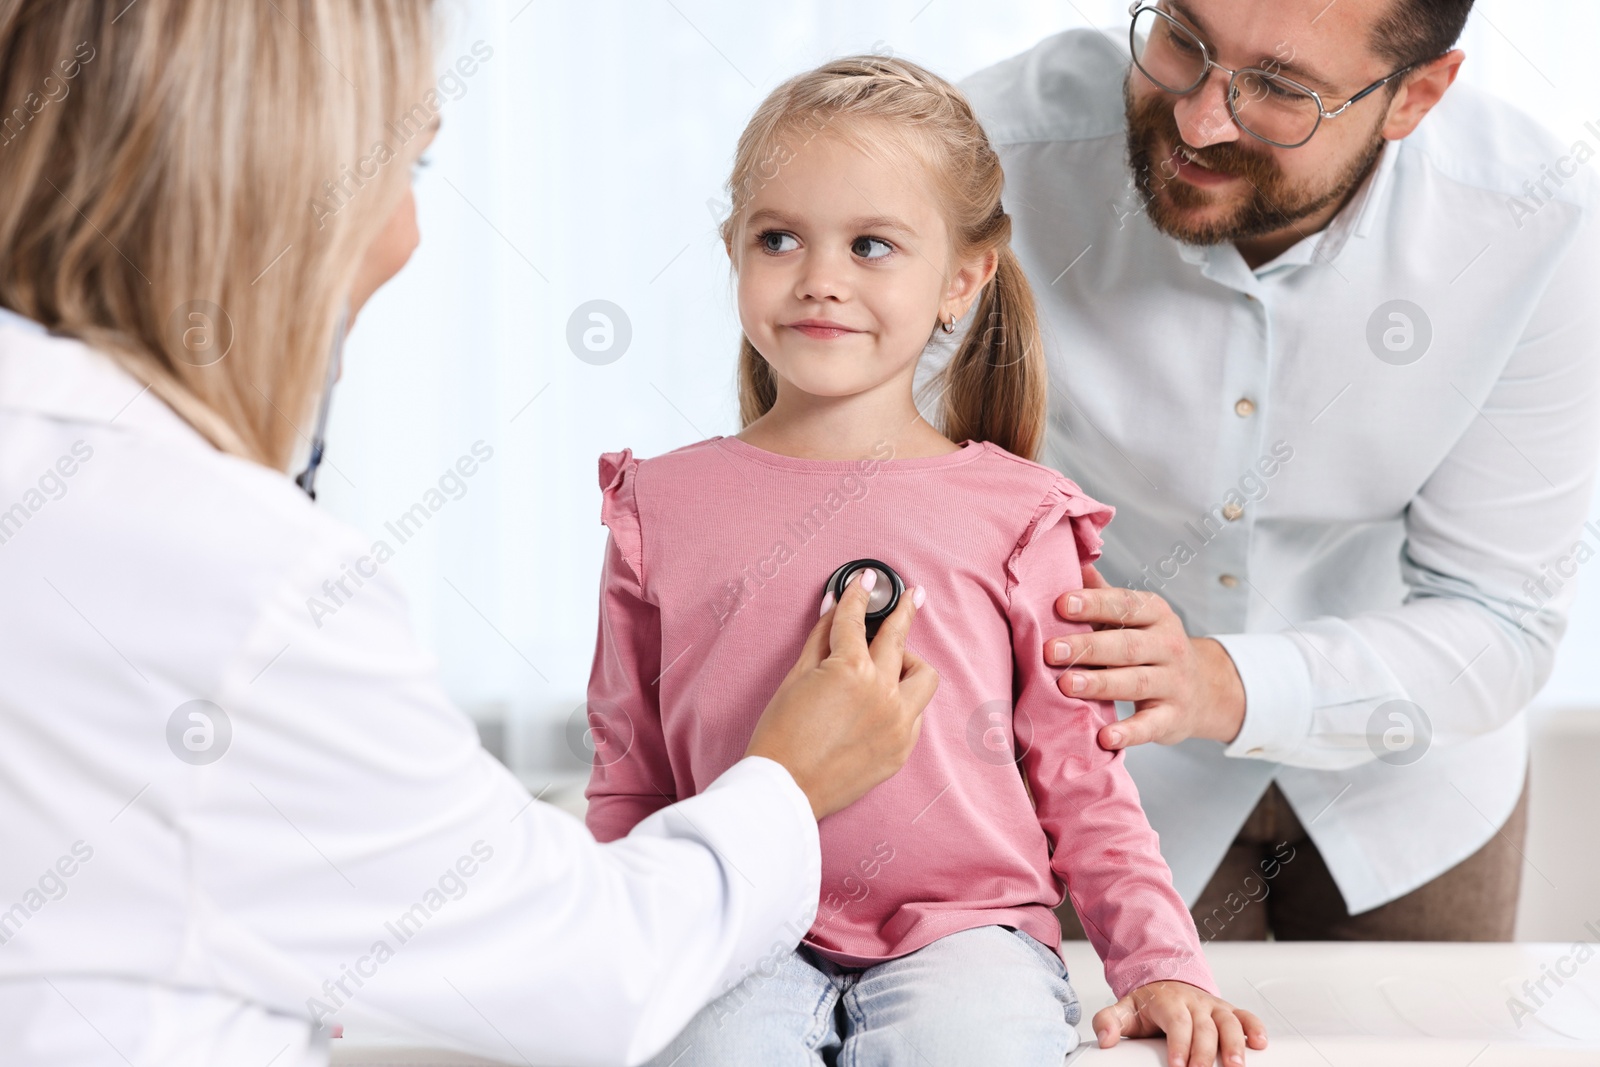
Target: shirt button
x=1244, y=407
x=1232, y=512
x=1228, y=580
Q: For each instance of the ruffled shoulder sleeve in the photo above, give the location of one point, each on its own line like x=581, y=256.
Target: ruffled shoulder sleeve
x=1065, y=508
x=619, y=507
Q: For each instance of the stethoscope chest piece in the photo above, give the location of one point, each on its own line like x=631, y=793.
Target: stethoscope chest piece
x=885, y=593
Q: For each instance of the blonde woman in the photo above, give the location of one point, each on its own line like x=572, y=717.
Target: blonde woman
x=226, y=825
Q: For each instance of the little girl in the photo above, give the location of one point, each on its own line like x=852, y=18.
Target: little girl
x=866, y=217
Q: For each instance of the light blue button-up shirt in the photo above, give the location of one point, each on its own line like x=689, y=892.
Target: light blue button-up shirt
x=1364, y=466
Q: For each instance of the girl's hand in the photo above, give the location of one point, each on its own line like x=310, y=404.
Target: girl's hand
x=1196, y=1023
x=848, y=715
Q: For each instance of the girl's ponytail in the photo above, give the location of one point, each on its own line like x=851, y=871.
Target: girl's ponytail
x=758, y=390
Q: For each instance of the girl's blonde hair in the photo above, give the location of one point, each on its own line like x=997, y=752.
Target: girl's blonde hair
x=215, y=158
x=995, y=386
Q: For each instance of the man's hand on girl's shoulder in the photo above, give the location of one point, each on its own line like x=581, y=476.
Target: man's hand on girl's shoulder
x=1180, y=686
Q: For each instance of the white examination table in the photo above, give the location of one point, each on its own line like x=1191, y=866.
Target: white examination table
x=1326, y=1004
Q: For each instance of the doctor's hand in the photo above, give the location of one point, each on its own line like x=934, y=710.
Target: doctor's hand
x=848, y=715
x=1180, y=686
x=1201, y=1029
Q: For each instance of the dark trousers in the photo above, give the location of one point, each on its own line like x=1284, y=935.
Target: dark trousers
x=1476, y=900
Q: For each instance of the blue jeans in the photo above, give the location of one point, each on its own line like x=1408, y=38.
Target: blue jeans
x=991, y=995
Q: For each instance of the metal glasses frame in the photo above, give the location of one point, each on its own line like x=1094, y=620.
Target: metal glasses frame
x=1139, y=6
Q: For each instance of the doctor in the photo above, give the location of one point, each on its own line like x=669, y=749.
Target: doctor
x=227, y=821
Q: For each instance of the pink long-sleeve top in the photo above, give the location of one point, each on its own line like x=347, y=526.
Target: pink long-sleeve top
x=714, y=572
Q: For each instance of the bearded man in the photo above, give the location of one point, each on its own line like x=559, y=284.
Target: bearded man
x=1323, y=330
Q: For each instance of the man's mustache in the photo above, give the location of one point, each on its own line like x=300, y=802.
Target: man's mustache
x=1229, y=158
x=1225, y=159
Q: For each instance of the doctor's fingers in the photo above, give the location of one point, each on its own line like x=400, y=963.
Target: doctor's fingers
x=847, y=635
x=918, y=682
x=889, y=646
x=815, y=649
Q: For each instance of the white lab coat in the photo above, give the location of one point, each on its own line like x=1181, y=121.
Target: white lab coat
x=354, y=855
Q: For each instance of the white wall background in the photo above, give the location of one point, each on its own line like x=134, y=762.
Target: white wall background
x=584, y=161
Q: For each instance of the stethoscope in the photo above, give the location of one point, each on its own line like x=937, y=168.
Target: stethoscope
x=883, y=597
x=308, y=477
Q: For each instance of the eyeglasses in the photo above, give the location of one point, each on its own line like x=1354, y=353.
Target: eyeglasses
x=1264, y=104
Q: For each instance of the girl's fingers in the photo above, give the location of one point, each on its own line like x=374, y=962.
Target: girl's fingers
x=1195, y=1037
x=1124, y=1019
x=1108, y=1024
x=1179, y=1028
x=1230, y=1036
x=1202, y=1039
x=1255, y=1031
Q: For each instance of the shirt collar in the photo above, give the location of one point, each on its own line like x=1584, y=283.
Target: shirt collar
x=1356, y=219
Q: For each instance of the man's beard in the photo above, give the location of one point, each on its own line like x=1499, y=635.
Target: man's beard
x=1275, y=202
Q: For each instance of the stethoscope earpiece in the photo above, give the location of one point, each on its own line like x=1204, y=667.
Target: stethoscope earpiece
x=884, y=596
